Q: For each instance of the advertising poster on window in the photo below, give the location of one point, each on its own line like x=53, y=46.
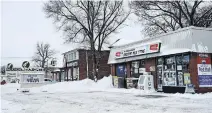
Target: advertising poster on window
x=121, y=70
x=187, y=79
x=115, y=81
x=204, y=70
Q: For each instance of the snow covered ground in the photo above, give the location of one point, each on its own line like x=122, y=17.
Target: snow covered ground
x=88, y=97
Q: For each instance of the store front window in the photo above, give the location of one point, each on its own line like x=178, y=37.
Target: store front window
x=173, y=70
x=183, y=70
x=160, y=63
x=137, y=68
x=169, y=74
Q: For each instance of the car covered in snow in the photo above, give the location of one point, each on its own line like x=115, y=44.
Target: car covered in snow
x=48, y=81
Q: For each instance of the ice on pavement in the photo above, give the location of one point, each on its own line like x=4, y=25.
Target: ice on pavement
x=86, y=96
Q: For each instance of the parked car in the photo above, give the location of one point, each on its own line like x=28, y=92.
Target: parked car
x=48, y=81
x=3, y=82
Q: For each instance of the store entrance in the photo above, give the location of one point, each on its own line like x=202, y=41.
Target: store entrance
x=121, y=73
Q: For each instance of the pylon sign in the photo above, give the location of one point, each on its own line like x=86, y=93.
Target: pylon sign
x=10, y=66
x=25, y=64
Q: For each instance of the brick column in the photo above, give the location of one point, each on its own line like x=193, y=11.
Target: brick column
x=128, y=69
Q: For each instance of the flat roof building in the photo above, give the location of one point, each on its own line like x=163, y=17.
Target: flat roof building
x=174, y=59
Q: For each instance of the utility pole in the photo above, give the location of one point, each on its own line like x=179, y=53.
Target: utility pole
x=110, y=47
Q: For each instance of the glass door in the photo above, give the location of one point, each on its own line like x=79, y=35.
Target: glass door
x=169, y=73
x=159, y=74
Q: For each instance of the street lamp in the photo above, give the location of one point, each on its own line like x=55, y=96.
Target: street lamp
x=111, y=46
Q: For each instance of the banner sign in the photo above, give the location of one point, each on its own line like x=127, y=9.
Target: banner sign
x=140, y=50
x=204, y=70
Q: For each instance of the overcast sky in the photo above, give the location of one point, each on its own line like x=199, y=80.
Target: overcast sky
x=23, y=24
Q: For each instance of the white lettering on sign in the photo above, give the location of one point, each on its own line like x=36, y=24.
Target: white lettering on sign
x=203, y=55
x=145, y=49
x=204, y=69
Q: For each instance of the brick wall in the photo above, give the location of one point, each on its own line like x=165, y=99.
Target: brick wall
x=104, y=69
x=151, y=62
x=113, y=70
x=194, y=75
x=193, y=70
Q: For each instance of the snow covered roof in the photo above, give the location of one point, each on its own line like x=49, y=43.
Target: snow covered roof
x=190, y=39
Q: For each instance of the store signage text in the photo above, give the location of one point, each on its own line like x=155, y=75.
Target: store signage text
x=28, y=69
x=145, y=49
x=204, y=70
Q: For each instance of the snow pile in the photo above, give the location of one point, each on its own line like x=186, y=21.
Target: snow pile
x=86, y=85
x=76, y=86
x=104, y=83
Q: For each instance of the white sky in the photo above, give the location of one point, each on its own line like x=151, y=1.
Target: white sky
x=23, y=24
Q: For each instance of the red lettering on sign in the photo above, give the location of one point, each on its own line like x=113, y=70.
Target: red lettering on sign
x=154, y=47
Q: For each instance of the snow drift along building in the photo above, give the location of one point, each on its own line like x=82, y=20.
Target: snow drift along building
x=174, y=59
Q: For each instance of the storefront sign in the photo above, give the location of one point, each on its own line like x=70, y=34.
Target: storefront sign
x=28, y=69
x=25, y=64
x=9, y=66
x=32, y=78
x=140, y=50
x=204, y=70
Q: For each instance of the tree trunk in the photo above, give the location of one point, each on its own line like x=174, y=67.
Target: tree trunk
x=94, y=77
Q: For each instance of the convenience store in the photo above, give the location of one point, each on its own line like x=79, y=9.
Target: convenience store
x=174, y=59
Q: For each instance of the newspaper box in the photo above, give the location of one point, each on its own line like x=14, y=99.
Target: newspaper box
x=31, y=78
x=145, y=82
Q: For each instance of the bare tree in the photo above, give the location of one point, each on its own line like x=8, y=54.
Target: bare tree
x=163, y=16
x=90, y=21
x=43, y=54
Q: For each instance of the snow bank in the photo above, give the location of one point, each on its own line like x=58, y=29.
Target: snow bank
x=9, y=88
x=105, y=85
x=76, y=86
x=192, y=96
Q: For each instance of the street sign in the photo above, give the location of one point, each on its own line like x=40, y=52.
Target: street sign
x=25, y=64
